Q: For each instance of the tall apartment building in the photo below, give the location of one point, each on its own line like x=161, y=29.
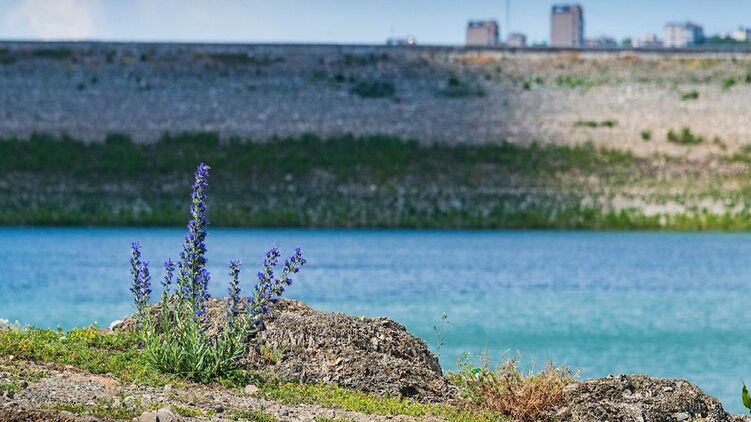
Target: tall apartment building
x=682, y=34
x=567, y=25
x=483, y=33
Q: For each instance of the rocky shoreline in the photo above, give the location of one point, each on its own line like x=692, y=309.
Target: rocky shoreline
x=372, y=355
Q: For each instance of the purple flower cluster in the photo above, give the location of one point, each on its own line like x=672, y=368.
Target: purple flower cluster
x=141, y=280
x=169, y=273
x=233, y=292
x=194, y=278
x=270, y=288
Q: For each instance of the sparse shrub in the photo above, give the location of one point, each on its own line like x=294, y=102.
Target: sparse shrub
x=594, y=124
x=717, y=141
x=572, y=81
x=176, y=338
x=456, y=88
x=374, y=89
x=527, y=85
x=748, y=78
x=438, y=330
x=690, y=95
x=684, y=137
x=244, y=59
x=53, y=53
x=522, y=396
x=80, y=86
x=646, y=135
x=586, y=123
x=728, y=82
x=746, y=397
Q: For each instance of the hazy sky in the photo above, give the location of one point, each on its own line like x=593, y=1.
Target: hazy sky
x=340, y=21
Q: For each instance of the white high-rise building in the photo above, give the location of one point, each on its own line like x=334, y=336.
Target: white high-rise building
x=682, y=34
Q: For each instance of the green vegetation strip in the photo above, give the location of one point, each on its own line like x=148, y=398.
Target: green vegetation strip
x=367, y=182
x=332, y=396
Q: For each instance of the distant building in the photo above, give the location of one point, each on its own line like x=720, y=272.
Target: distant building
x=409, y=40
x=601, y=42
x=483, y=33
x=682, y=34
x=516, y=39
x=741, y=34
x=647, y=41
x=567, y=25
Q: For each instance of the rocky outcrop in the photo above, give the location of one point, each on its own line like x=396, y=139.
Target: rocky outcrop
x=640, y=398
x=375, y=355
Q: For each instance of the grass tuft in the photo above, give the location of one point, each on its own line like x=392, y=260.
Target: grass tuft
x=522, y=396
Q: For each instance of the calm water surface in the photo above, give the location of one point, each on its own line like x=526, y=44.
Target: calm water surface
x=672, y=305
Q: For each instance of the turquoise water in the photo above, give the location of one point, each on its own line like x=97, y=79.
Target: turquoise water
x=666, y=304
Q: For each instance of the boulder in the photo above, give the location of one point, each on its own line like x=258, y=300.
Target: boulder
x=639, y=398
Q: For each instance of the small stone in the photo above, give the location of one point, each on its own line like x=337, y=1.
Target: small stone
x=168, y=388
x=219, y=408
x=284, y=412
x=165, y=414
x=129, y=402
x=682, y=416
x=10, y=395
x=23, y=384
x=250, y=390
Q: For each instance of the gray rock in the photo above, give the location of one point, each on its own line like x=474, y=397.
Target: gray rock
x=162, y=415
x=653, y=399
x=250, y=390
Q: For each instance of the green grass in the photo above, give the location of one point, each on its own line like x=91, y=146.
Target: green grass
x=690, y=95
x=100, y=410
x=684, y=137
x=84, y=348
x=336, y=397
x=252, y=415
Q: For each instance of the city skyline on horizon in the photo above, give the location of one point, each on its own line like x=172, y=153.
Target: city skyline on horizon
x=312, y=21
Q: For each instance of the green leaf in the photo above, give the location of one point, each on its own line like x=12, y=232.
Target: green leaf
x=746, y=397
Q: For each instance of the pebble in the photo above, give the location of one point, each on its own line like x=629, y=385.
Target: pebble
x=129, y=402
x=219, y=408
x=250, y=390
x=682, y=416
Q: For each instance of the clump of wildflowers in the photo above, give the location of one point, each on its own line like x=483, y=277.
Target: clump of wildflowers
x=169, y=274
x=233, y=292
x=194, y=278
x=177, y=342
x=141, y=280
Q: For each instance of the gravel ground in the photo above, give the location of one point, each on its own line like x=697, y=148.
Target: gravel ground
x=68, y=386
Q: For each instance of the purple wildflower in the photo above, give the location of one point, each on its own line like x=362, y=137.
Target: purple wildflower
x=233, y=291
x=135, y=267
x=269, y=288
x=141, y=280
x=193, y=280
x=169, y=272
x=141, y=287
